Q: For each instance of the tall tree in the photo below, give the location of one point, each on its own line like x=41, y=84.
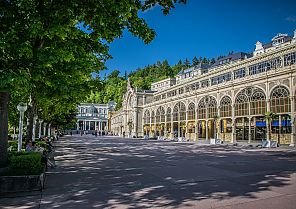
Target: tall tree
x=195, y=61
x=35, y=36
x=125, y=75
x=113, y=74
x=213, y=61
x=205, y=60
x=187, y=63
x=3, y=126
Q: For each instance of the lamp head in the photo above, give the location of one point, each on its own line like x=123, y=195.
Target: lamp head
x=22, y=107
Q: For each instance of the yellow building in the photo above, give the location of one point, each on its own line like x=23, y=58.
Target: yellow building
x=241, y=97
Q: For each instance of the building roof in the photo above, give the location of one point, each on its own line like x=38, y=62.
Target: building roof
x=231, y=57
x=270, y=44
x=92, y=104
x=196, y=67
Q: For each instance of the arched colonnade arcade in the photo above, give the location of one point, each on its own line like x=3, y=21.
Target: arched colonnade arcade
x=250, y=115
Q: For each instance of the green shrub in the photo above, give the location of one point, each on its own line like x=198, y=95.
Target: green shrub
x=12, y=145
x=42, y=144
x=24, y=163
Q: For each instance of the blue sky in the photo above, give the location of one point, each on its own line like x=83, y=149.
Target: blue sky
x=204, y=28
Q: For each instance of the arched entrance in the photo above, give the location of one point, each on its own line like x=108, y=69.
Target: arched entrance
x=207, y=118
x=179, y=120
x=191, y=122
x=250, y=109
x=280, y=107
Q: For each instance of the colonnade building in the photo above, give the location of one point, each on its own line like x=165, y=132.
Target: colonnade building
x=241, y=97
x=92, y=117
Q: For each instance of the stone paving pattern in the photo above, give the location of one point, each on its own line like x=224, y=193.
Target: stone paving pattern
x=110, y=172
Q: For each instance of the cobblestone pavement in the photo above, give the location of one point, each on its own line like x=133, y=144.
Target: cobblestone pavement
x=112, y=172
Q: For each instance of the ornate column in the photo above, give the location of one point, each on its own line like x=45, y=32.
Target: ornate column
x=254, y=120
x=154, y=124
x=280, y=127
x=233, y=134
x=250, y=133
x=186, y=123
x=136, y=120
x=207, y=130
x=165, y=126
x=196, y=130
x=172, y=126
x=293, y=134
x=268, y=109
x=150, y=124
x=196, y=122
x=267, y=122
x=292, y=98
x=218, y=128
x=207, y=125
x=218, y=125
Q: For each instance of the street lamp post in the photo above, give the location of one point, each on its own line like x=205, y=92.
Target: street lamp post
x=49, y=130
x=40, y=126
x=34, y=128
x=22, y=107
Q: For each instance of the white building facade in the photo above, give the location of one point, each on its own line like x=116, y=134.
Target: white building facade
x=241, y=97
x=92, y=117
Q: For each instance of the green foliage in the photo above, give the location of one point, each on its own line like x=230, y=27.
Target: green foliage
x=24, y=163
x=12, y=145
x=47, y=54
x=113, y=88
x=269, y=116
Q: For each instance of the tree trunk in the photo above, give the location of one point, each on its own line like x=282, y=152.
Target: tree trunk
x=4, y=98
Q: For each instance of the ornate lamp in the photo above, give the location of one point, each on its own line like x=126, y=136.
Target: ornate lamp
x=22, y=107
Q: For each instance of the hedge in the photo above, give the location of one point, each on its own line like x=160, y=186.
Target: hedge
x=24, y=163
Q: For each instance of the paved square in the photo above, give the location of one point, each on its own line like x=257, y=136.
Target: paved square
x=112, y=172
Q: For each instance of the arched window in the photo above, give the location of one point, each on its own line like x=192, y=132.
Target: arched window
x=179, y=112
x=182, y=111
x=213, y=112
x=225, y=107
x=191, y=111
x=209, y=103
x=258, y=102
x=250, y=101
x=241, y=104
x=169, y=115
x=176, y=113
x=162, y=115
x=157, y=116
x=201, y=109
x=280, y=100
x=152, y=117
x=147, y=117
